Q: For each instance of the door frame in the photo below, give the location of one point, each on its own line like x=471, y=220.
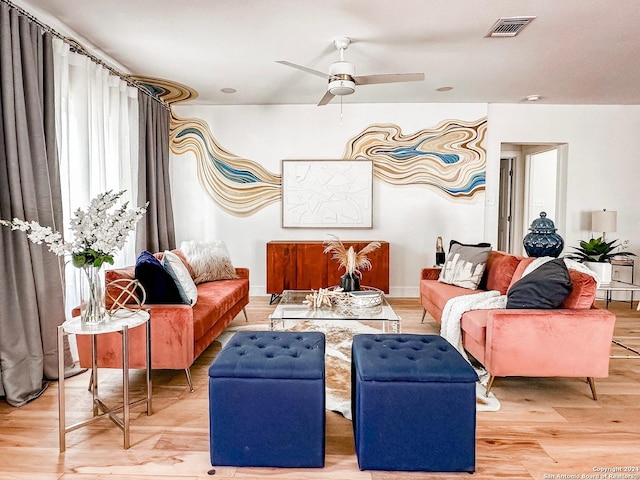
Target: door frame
x=516, y=196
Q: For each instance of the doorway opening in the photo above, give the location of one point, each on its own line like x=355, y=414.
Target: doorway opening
x=532, y=180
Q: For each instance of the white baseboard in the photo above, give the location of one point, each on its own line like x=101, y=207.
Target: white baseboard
x=404, y=292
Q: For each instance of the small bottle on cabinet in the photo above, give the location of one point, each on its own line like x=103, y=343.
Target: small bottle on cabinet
x=440, y=257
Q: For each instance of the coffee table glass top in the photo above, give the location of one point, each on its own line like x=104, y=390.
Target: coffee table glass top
x=291, y=307
x=617, y=286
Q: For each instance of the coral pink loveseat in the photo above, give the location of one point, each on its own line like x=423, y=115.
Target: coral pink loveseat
x=179, y=333
x=573, y=341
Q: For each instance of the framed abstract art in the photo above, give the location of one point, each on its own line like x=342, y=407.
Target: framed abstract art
x=327, y=194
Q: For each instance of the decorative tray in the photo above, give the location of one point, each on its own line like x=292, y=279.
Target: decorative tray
x=369, y=297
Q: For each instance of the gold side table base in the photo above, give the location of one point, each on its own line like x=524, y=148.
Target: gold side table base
x=100, y=409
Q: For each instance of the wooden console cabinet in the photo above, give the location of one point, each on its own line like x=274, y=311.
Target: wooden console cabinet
x=302, y=265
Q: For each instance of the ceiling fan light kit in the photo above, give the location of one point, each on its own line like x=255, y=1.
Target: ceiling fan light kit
x=342, y=79
x=341, y=86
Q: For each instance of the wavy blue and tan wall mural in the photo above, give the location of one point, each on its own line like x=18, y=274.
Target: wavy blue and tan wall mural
x=449, y=157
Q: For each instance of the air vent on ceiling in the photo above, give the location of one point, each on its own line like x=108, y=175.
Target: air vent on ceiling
x=509, y=26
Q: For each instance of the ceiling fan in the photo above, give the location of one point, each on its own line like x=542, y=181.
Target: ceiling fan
x=342, y=76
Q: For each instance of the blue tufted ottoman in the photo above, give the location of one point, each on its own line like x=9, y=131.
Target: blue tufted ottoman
x=413, y=399
x=267, y=400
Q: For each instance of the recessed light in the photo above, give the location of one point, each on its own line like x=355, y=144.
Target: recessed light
x=444, y=89
x=532, y=98
x=228, y=90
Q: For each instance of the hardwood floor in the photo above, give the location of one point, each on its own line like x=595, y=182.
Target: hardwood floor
x=546, y=426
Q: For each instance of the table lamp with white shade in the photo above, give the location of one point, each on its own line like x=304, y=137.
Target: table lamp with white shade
x=604, y=221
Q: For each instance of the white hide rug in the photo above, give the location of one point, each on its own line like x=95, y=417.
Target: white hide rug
x=339, y=334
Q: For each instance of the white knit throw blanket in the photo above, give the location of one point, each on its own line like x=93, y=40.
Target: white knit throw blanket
x=455, y=308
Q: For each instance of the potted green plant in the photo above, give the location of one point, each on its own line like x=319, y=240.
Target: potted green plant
x=597, y=253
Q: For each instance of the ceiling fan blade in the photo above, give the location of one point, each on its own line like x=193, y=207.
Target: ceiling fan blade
x=304, y=69
x=326, y=98
x=388, y=78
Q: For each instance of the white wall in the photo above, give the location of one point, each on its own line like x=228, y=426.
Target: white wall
x=603, y=172
x=410, y=218
x=603, y=168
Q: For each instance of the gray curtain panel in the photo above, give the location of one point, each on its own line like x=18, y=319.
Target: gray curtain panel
x=31, y=277
x=156, y=230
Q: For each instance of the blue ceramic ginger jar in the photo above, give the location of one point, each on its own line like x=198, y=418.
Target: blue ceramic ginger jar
x=542, y=239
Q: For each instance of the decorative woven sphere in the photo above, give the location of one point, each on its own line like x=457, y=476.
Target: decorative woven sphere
x=125, y=295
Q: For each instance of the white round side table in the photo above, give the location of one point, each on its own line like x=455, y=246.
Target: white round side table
x=119, y=321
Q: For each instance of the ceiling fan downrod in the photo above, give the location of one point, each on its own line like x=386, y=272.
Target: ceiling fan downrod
x=341, y=73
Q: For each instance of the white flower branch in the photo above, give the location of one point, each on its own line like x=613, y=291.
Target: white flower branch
x=98, y=234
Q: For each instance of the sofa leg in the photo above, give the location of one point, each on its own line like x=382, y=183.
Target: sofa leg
x=592, y=386
x=187, y=372
x=424, y=312
x=246, y=319
x=489, y=385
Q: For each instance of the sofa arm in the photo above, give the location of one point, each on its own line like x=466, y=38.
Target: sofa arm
x=172, y=341
x=430, y=273
x=242, y=272
x=562, y=342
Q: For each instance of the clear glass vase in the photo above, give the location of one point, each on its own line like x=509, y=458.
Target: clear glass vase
x=92, y=309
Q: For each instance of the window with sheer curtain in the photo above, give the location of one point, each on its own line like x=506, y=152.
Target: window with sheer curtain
x=97, y=136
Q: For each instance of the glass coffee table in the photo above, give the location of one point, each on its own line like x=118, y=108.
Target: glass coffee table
x=292, y=308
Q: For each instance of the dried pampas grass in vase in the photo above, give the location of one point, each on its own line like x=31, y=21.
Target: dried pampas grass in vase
x=353, y=262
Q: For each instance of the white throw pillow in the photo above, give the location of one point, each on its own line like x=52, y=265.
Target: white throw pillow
x=209, y=260
x=465, y=264
x=176, y=269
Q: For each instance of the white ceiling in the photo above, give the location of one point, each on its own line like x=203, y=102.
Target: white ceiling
x=574, y=52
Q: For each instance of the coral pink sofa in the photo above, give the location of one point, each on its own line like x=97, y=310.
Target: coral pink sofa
x=574, y=341
x=179, y=333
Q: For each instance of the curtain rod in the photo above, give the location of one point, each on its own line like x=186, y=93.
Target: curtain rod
x=76, y=47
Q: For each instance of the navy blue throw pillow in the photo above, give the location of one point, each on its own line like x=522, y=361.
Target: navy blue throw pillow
x=546, y=287
x=156, y=281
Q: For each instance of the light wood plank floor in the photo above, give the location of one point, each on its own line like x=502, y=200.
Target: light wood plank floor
x=545, y=427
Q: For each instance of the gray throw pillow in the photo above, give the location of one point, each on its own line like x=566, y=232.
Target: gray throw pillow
x=547, y=286
x=181, y=276
x=465, y=264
